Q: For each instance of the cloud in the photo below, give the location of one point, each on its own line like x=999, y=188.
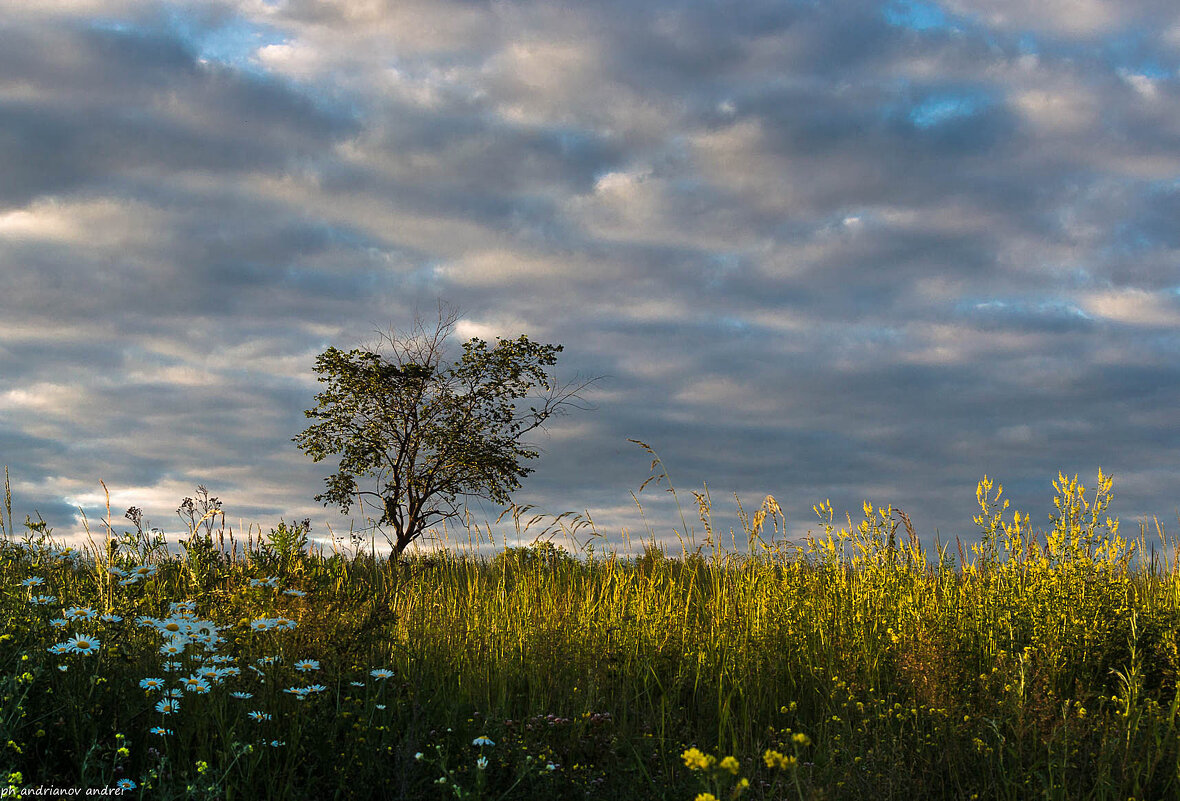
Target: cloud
x=817, y=250
x=98, y=102
x=1066, y=17
x=1136, y=307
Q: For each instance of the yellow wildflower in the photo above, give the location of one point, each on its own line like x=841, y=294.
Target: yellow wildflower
x=694, y=759
x=730, y=764
x=776, y=759
x=705, y=797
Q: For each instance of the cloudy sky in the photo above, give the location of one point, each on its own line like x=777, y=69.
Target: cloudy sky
x=846, y=249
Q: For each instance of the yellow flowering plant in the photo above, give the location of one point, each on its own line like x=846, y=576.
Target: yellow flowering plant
x=719, y=776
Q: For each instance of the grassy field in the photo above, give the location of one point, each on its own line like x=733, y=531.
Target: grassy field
x=854, y=664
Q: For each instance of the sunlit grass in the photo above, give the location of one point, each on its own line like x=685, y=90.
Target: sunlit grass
x=854, y=664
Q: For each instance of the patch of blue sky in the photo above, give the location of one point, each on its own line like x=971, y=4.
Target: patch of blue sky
x=917, y=16
x=1028, y=44
x=234, y=42
x=1131, y=239
x=1153, y=70
x=113, y=25
x=1136, y=52
x=1021, y=307
x=943, y=107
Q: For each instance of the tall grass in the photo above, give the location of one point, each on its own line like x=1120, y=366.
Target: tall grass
x=853, y=664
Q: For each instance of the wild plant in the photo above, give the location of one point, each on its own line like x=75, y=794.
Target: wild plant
x=1039, y=664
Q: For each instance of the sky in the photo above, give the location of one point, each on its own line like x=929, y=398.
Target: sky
x=842, y=249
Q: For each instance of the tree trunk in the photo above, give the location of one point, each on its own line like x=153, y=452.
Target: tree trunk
x=404, y=538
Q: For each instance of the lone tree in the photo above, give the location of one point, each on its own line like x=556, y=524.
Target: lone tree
x=422, y=431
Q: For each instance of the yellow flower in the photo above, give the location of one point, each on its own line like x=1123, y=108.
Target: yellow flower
x=776, y=759
x=695, y=760
x=730, y=764
x=705, y=797
x=801, y=739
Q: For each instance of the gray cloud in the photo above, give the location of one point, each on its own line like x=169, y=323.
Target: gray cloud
x=100, y=104
x=844, y=250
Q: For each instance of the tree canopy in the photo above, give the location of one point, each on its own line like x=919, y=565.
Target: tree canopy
x=421, y=432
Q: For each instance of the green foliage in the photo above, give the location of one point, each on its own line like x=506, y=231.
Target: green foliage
x=539, y=556
x=284, y=547
x=426, y=431
x=847, y=666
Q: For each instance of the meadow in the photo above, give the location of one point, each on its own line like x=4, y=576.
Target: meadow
x=854, y=663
